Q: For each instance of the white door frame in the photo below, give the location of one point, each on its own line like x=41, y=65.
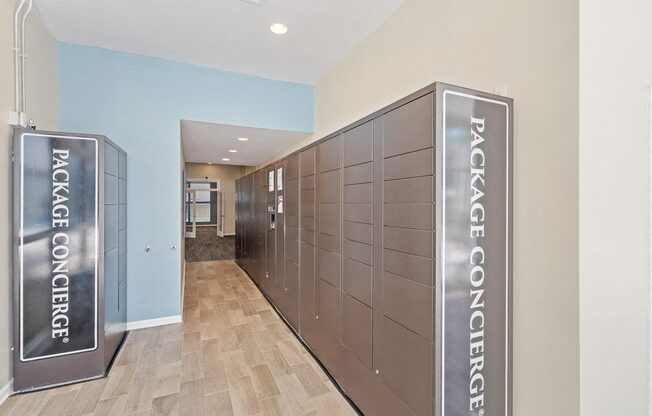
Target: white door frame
x=220, y=205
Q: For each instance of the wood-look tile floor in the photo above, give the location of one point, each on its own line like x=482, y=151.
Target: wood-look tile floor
x=231, y=356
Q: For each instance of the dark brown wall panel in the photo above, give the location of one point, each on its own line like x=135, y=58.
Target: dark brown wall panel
x=292, y=289
x=417, y=268
x=418, y=216
x=358, y=145
x=358, y=174
x=308, y=162
x=359, y=232
x=329, y=267
x=292, y=220
x=307, y=236
x=417, y=242
x=406, y=366
x=359, y=193
x=307, y=222
x=356, y=280
x=307, y=184
x=356, y=331
x=409, y=127
x=330, y=243
x=357, y=213
x=327, y=339
x=329, y=186
x=329, y=155
x=329, y=219
x=369, y=391
x=307, y=278
x=409, y=165
x=409, y=303
x=291, y=244
x=293, y=168
x=409, y=190
x=357, y=251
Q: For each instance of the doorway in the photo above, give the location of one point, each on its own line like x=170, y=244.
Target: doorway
x=204, y=222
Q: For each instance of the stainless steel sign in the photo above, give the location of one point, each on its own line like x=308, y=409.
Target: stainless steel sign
x=474, y=249
x=58, y=245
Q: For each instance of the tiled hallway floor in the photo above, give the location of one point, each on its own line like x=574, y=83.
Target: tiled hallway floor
x=231, y=356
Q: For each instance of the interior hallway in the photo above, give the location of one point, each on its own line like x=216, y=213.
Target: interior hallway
x=231, y=356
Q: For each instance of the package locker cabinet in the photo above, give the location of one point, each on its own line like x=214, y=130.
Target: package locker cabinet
x=364, y=257
x=95, y=181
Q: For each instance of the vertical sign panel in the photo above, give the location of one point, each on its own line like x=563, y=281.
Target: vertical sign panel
x=475, y=249
x=58, y=247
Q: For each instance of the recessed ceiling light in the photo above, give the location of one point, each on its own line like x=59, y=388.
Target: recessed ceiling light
x=243, y=139
x=233, y=151
x=279, y=28
x=226, y=159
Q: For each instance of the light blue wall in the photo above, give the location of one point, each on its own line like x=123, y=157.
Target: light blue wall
x=138, y=103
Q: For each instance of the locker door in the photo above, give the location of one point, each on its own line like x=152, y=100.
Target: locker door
x=269, y=282
x=329, y=261
x=260, y=225
x=308, y=214
x=357, y=238
x=238, y=221
x=291, y=264
x=403, y=286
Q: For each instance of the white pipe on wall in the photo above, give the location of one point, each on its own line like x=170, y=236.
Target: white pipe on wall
x=23, y=55
x=20, y=89
x=17, y=57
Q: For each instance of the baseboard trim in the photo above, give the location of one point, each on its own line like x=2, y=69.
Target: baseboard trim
x=6, y=391
x=149, y=323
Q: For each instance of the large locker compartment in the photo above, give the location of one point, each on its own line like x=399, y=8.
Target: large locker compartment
x=361, y=218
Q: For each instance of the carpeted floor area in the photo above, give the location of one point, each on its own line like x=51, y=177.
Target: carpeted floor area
x=208, y=246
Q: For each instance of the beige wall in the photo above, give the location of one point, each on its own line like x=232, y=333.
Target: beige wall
x=227, y=175
x=615, y=80
x=42, y=106
x=531, y=46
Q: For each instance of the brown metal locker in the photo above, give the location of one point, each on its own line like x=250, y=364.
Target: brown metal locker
x=328, y=343
x=269, y=284
x=357, y=317
x=353, y=252
x=259, y=223
x=307, y=251
x=404, y=307
x=290, y=307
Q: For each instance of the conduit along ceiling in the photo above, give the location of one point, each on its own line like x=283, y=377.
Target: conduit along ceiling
x=212, y=143
x=232, y=35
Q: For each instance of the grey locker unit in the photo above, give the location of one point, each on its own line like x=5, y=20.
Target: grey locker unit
x=359, y=278
x=97, y=185
x=115, y=248
x=290, y=305
x=269, y=281
x=328, y=343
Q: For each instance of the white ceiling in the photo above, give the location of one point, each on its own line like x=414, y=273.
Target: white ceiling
x=210, y=142
x=228, y=34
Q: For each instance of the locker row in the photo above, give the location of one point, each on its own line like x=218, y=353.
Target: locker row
x=340, y=237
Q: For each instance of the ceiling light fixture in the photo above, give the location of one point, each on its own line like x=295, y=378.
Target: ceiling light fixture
x=279, y=29
x=243, y=139
x=226, y=159
x=233, y=151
